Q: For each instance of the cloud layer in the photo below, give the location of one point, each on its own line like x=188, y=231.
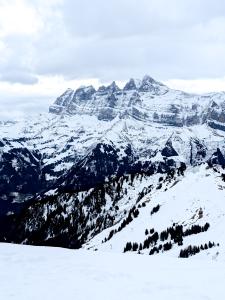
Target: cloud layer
x=107, y=40
x=112, y=39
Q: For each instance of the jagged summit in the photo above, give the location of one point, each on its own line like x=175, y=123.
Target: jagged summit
x=84, y=93
x=112, y=88
x=132, y=84
x=148, y=84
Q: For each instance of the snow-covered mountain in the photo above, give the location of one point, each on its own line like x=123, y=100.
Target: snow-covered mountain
x=146, y=100
x=106, y=168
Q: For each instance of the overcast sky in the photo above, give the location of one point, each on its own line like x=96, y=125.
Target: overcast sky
x=49, y=45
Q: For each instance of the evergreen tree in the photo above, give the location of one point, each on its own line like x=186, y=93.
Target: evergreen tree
x=135, y=246
x=152, y=230
x=128, y=247
x=167, y=246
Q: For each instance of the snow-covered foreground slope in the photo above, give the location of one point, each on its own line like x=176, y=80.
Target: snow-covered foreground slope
x=51, y=273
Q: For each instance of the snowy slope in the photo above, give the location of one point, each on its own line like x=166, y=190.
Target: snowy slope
x=50, y=273
x=195, y=199
x=108, y=217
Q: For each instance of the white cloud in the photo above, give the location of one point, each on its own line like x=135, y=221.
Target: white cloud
x=48, y=45
x=199, y=86
x=18, y=17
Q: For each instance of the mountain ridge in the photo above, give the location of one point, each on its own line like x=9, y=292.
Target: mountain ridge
x=147, y=100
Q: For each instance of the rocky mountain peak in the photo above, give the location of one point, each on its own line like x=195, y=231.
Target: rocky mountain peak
x=85, y=92
x=130, y=85
x=149, y=84
x=112, y=88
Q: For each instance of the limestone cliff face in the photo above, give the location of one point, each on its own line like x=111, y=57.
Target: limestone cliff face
x=146, y=100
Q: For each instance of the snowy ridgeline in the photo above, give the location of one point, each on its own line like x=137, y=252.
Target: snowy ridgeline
x=36, y=273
